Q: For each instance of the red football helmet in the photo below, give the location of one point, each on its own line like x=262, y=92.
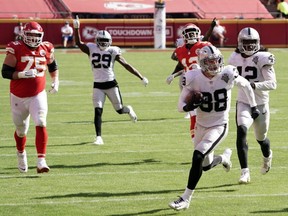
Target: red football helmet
x=33, y=34
x=191, y=33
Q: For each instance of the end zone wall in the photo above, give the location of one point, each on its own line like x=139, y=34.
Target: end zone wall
x=139, y=32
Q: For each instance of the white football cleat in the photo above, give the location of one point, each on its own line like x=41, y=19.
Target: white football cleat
x=132, y=114
x=42, y=166
x=267, y=162
x=226, y=162
x=22, y=162
x=98, y=140
x=245, y=176
x=179, y=204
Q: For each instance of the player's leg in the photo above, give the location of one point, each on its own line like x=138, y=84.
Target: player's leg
x=243, y=123
x=183, y=202
x=192, y=123
x=21, y=119
x=65, y=40
x=205, y=141
x=38, y=109
x=99, y=97
x=212, y=138
x=115, y=97
x=261, y=126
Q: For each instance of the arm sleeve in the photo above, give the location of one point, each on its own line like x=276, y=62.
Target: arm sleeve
x=181, y=101
x=7, y=71
x=270, y=79
x=241, y=82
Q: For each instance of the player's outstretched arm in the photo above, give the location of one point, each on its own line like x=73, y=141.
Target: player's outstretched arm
x=131, y=69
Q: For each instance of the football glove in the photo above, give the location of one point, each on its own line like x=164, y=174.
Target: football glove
x=193, y=100
x=253, y=85
x=32, y=73
x=145, y=81
x=76, y=23
x=54, y=86
x=169, y=79
x=254, y=112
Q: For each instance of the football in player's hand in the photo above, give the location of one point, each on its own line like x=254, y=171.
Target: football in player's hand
x=194, y=97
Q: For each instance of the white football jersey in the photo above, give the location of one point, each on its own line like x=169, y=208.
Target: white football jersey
x=102, y=62
x=216, y=92
x=259, y=69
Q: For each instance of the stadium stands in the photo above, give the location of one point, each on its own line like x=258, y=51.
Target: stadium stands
x=133, y=9
x=27, y=9
x=250, y=9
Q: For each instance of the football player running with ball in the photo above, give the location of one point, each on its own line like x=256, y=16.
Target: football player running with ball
x=257, y=67
x=102, y=58
x=25, y=64
x=215, y=82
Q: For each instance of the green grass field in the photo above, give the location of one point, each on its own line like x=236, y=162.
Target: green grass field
x=142, y=166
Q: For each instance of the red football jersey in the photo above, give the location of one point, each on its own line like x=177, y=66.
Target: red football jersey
x=189, y=57
x=30, y=59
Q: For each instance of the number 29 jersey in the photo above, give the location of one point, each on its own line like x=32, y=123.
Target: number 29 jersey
x=102, y=62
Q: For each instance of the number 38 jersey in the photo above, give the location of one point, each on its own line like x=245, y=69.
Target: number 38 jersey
x=30, y=59
x=258, y=69
x=102, y=62
x=216, y=92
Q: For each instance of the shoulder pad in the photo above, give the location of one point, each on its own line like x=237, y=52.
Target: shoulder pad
x=264, y=58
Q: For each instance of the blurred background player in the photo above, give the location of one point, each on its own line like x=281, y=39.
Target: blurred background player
x=212, y=114
x=188, y=58
x=67, y=34
x=25, y=64
x=218, y=34
x=257, y=67
x=102, y=58
x=180, y=40
x=18, y=30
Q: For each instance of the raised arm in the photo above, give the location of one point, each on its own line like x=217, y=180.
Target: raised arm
x=210, y=30
x=83, y=47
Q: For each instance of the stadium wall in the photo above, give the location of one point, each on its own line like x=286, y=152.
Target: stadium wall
x=139, y=32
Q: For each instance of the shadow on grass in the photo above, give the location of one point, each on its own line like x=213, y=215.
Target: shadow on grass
x=146, y=161
x=270, y=211
x=71, y=144
x=134, y=193
x=19, y=177
x=108, y=195
x=162, y=211
x=153, y=211
x=122, y=120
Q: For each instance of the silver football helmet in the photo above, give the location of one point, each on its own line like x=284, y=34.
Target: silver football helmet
x=248, y=41
x=191, y=33
x=103, y=39
x=211, y=60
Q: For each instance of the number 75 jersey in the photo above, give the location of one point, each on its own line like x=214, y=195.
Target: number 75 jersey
x=30, y=59
x=102, y=62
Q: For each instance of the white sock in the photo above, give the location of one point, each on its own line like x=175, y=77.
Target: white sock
x=245, y=169
x=187, y=195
